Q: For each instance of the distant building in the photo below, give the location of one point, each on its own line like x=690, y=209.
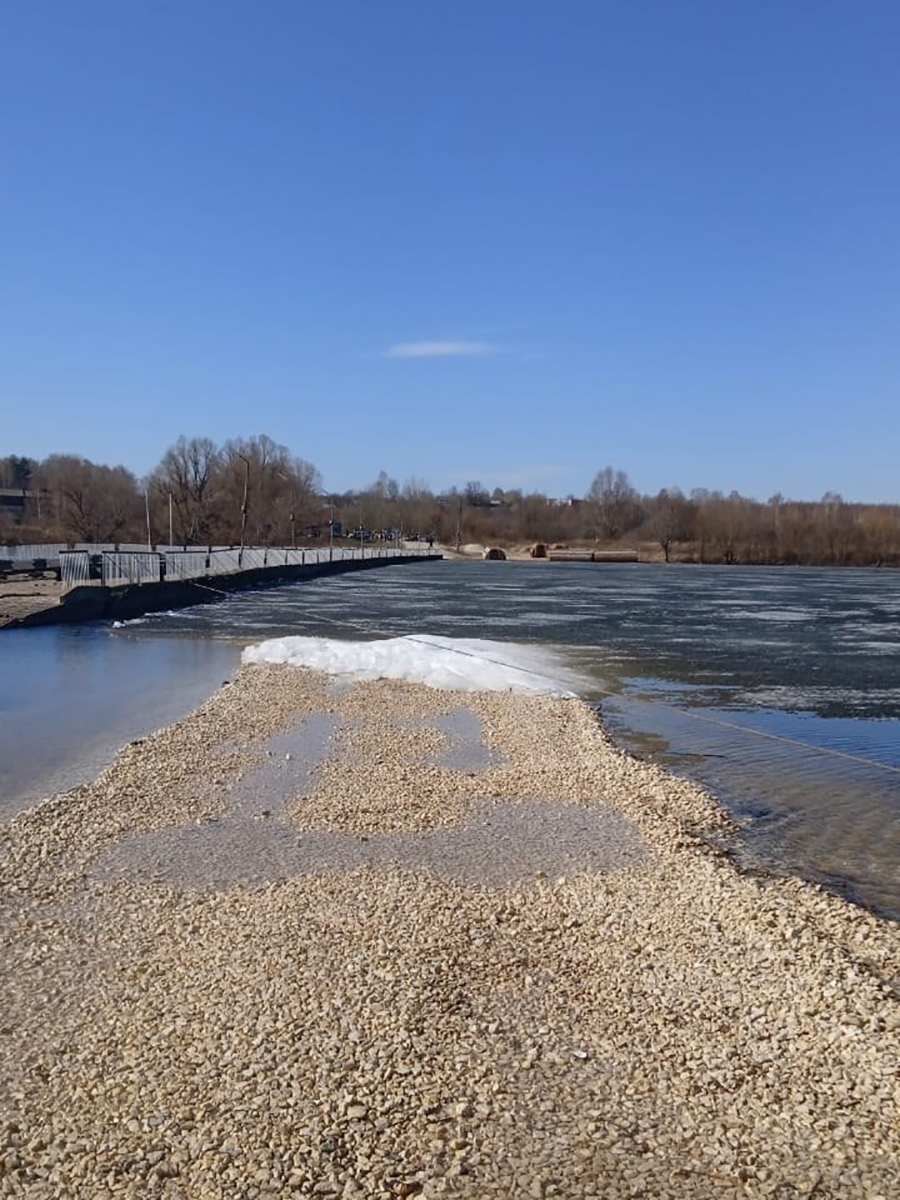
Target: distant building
x=13, y=499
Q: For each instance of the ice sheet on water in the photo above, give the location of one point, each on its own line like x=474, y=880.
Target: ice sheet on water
x=456, y=664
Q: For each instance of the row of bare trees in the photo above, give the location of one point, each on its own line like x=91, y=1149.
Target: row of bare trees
x=703, y=526
x=255, y=491
x=249, y=490
x=709, y=526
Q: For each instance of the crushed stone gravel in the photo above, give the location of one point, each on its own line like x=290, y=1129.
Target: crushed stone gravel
x=654, y=1024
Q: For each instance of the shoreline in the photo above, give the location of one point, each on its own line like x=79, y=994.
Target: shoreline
x=647, y=556
x=662, y=1025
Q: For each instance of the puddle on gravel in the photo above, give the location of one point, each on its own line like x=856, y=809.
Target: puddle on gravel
x=499, y=844
x=254, y=843
x=466, y=750
x=286, y=771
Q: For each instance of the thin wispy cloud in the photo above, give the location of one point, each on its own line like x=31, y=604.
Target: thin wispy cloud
x=441, y=350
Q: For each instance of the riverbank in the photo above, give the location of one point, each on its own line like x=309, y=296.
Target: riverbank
x=395, y=999
x=647, y=553
x=21, y=598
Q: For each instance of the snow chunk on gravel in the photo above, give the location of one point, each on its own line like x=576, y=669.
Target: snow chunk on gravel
x=453, y=664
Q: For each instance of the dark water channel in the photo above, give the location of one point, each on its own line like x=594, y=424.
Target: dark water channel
x=778, y=688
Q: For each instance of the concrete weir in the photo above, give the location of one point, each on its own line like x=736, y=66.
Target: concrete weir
x=96, y=603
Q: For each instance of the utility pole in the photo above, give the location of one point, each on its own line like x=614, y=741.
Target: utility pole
x=290, y=479
x=147, y=513
x=331, y=535
x=171, y=543
x=246, y=462
x=459, y=526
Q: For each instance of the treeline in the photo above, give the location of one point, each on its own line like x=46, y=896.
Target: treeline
x=255, y=491
x=702, y=526
x=249, y=491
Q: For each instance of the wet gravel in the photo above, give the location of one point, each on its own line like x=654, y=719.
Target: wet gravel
x=498, y=844
x=533, y=976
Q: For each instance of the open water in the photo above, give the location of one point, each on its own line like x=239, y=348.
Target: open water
x=778, y=688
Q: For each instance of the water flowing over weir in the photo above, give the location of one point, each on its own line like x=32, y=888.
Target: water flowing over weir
x=779, y=689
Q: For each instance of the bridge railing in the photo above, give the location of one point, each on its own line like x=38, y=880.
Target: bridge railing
x=120, y=567
x=74, y=568
x=133, y=564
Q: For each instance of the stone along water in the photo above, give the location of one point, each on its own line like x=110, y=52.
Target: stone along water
x=778, y=688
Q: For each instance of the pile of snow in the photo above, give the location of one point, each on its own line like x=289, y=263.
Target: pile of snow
x=455, y=664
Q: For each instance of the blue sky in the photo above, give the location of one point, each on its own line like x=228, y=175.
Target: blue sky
x=473, y=240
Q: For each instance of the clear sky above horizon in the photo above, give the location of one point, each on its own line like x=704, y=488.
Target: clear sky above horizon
x=506, y=241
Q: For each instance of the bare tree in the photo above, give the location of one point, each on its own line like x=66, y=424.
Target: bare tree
x=255, y=475
x=476, y=494
x=615, y=502
x=670, y=518
x=187, y=474
x=95, y=503
x=838, y=527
